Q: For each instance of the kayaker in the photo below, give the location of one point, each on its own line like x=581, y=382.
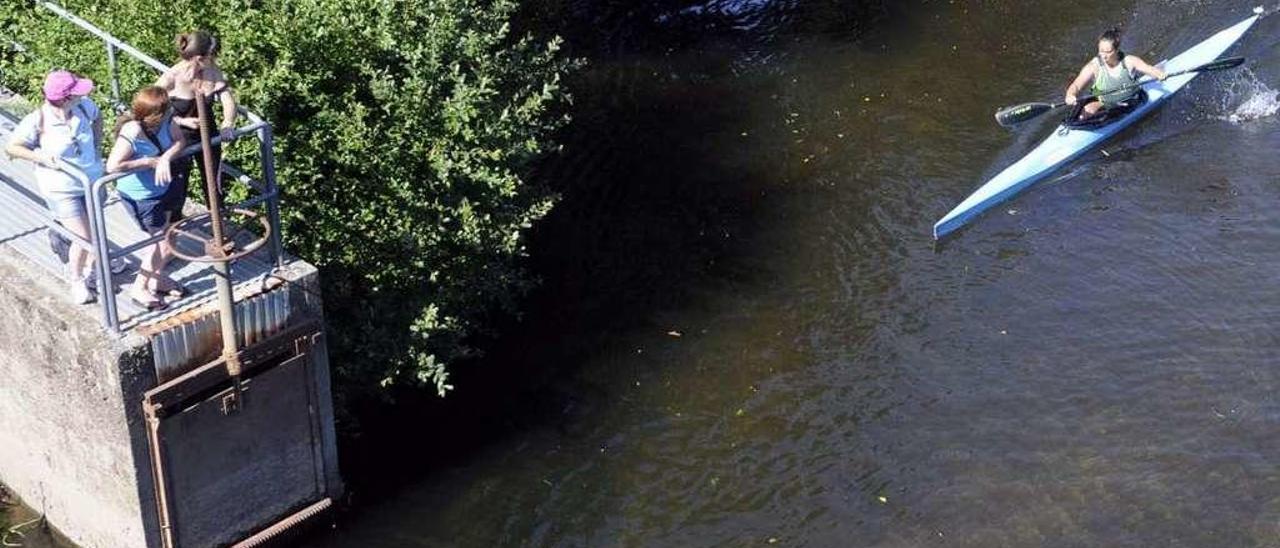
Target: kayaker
x=1112, y=69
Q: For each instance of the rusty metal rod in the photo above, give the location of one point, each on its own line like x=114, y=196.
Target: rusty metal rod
x=167, y=533
x=302, y=516
x=217, y=249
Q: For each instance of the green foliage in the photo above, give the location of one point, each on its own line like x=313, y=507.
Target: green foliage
x=403, y=130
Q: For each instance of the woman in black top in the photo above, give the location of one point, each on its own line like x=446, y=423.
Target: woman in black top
x=196, y=75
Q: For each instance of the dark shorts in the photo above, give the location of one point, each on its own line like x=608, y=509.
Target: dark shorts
x=151, y=214
x=185, y=167
x=175, y=196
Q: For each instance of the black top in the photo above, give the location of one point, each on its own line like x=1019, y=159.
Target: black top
x=185, y=107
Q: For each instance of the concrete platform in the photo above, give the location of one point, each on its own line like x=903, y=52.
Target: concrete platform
x=141, y=438
x=23, y=228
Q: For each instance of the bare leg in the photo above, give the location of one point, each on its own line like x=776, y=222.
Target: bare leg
x=148, y=281
x=80, y=260
x=164, y=283
x=1090, y=110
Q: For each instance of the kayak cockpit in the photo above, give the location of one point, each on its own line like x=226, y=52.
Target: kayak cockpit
x=1107, y=116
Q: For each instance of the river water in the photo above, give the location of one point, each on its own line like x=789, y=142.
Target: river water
x=755, y=340
x=764, y=345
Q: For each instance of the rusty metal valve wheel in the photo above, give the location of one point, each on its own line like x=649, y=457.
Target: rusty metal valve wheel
x=212, y=253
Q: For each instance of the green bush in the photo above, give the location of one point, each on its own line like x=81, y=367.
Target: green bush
x=404, y=131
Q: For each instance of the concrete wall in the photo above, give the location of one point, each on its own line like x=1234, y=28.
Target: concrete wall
x=68, y=444
x=73, y=438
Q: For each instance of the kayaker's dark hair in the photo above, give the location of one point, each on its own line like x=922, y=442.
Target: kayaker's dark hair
x=1111, y=35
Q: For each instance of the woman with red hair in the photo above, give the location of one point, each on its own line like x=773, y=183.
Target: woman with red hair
x=147, y=140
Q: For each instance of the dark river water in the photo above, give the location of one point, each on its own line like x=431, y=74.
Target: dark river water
x=762, y=344
x=758, y=342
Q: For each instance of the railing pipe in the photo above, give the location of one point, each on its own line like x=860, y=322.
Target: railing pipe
x=94, y=199
x=96, y=245
x=115, y=73
x=113, y=41
x=266, y=142
x=103, y=35
x=244, y=178
x=95, y=191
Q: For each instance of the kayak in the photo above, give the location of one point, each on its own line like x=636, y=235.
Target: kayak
x=1066, y=143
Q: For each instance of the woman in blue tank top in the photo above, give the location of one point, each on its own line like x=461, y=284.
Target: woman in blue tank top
x=146, y=142
x=1111, y=70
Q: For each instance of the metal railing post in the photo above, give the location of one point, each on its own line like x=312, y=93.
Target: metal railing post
x=95, y=199
x=266, y=142
x=115, y=73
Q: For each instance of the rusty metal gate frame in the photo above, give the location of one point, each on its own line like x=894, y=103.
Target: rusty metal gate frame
x=169, y=399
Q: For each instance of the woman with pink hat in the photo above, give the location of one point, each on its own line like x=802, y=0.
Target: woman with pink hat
x=61, y=137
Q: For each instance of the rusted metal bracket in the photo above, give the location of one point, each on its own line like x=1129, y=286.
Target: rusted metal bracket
x=230, y=404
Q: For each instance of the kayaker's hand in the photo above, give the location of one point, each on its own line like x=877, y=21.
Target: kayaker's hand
x=1071, y=99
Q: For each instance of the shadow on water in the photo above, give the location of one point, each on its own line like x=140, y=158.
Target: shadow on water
x=744, y=333
x=658, y=200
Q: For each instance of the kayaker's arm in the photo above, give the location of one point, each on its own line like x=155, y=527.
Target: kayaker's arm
x=1142, y=66
x=1082, y=80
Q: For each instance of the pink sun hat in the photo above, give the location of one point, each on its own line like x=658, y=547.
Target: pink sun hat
x=61, y=84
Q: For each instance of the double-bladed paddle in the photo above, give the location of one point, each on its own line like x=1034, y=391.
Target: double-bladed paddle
x=1016, y=114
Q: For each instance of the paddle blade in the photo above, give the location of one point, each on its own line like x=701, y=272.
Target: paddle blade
x=1220, y=64
x=1020, y=113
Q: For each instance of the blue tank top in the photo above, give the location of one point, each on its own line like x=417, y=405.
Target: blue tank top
x=142, y=185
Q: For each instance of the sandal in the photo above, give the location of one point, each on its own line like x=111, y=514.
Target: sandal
x=151, y=303
x=175, y=290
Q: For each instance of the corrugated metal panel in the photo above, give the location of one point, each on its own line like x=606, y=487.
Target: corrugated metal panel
x=189, y=344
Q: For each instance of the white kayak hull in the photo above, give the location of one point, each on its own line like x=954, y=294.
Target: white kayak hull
x=1065, y=144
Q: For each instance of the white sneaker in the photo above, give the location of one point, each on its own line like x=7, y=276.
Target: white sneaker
x=80, y=293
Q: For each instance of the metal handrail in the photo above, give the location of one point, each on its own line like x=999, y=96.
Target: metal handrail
x=95, y=195
x=52, y=223
x=113, y=43
x=95, y=192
